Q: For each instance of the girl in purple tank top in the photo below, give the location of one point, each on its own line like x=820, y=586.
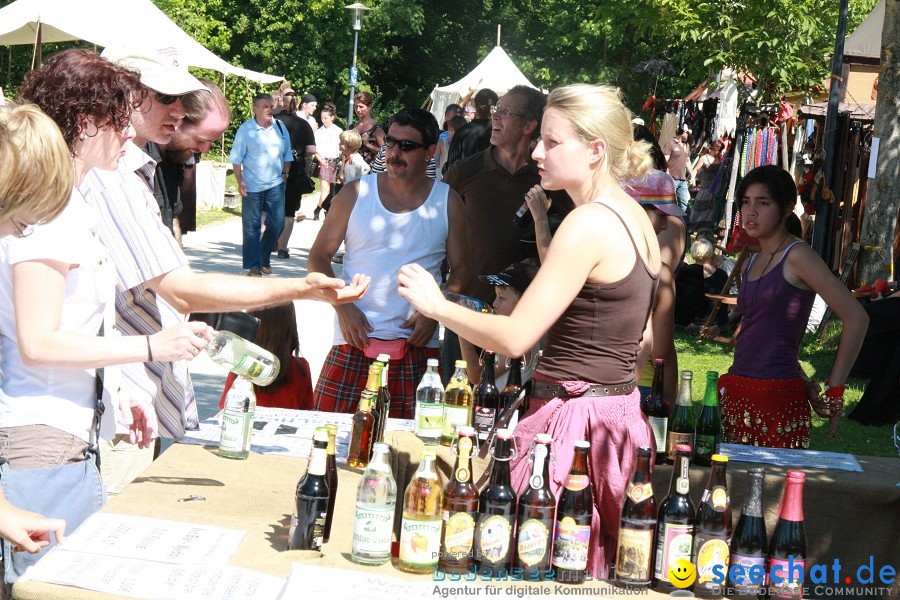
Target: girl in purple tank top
x=765, y=396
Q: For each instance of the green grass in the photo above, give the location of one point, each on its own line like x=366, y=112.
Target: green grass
x=816, y=359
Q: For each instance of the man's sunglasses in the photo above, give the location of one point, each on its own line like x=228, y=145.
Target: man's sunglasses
x=166, y=98
x=404, y=145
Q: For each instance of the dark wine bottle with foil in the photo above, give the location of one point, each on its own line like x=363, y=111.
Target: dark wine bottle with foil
x=307, y=530
x=637, y=527
x=750, y=542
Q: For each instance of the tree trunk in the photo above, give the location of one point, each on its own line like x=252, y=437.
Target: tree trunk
x=884, y=191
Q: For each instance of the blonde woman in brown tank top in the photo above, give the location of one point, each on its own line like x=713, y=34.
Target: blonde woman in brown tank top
x=592, y=297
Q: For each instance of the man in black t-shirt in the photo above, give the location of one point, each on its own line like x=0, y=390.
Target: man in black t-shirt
x=303, y=144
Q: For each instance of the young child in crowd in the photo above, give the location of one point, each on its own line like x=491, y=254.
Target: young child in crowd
x=352, y=167
x=292, y=387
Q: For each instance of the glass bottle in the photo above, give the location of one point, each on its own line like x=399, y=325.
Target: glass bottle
x=430, y=405
x=460, y=508
x=497, y=512
x=656, y=407
x=376, y=499
x=331, y=475
x=457, y=404
x=709, y=424
x=420, y=530
x=383, y=400
x=713, y=531
x=787, y=548
x=487, y=399
x=364, y=422
x=572, y=535
x=675, y=522
x=236, y=420
x=537, y=506
x=469, y=302
x=637, y=527
x=509, y=394
x=681, y=422
x=750, y=543
x=243, y=358
x=311, y=506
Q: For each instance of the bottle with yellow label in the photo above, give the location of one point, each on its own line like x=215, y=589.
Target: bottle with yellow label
x=420, y=530
x=458, y=404
x=497, y=512
x=572, y=536
x=537, y=506
x=713, y=533
x=637, y=527
x=460, y=509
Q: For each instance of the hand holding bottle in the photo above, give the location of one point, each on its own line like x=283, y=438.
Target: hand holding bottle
x=538, y=204
x=181, y=342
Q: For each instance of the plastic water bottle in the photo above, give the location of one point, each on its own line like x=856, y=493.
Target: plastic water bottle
x=430, y=405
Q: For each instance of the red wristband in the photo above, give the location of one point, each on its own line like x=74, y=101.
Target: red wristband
x=834, y=391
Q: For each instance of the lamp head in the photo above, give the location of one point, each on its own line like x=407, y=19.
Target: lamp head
x=357, y=10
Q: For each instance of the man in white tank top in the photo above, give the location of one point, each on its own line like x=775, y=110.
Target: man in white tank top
x=385, y=221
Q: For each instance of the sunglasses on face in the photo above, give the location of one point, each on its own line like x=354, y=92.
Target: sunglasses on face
x=502, y=112
x=166, y=98
x=404, y=145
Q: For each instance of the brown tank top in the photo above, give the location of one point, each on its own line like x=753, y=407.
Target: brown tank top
x=598, y=336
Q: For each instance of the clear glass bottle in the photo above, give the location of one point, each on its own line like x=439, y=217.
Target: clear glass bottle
x=682, y=424
x=458, y=404
x=420, y=530
x=376, y=499
x=430, y=405
x=237, y=420
x=469, y=302
x=243, y=358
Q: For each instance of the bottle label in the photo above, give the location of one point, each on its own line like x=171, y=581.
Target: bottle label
x=252, y=368
x=318, y=534
x=494, y=539
x=717, y=498
x=533, y=542
x=464, y=447
x=460, y=535
x=639, y=492
x=674, y=542
x=674, y=438
x=420, y=541
x=742, y=579
x=232, y=439
x=706, y=445
x=710, y=552
x=576, y=483
x=790, y=585
x=454, y=416
x=658, y=425
x=372, y=530
x=570, y=544
x=682, y=485
x=428, y=421
x=484, y=421
x=633, y=554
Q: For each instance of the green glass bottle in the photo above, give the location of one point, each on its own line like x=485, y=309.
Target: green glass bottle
x=709, y=424
x=682, y=424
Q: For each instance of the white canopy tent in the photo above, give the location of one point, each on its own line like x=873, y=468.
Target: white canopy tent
x=497, y=71
x=108, y=23
x=865, y=42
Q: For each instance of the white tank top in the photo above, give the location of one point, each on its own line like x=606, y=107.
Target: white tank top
x=378, y=242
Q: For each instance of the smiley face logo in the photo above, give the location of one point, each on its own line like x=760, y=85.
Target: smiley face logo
x=682, y=573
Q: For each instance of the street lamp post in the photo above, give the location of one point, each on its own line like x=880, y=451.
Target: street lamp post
x=356, y=16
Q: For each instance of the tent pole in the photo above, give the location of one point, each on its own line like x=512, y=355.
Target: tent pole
x=36, y=55
x=498, y=34
x=224, y=81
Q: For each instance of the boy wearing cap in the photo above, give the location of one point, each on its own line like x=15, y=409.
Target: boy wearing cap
x=509, y=285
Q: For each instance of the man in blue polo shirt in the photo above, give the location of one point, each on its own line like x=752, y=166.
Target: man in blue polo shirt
x=260, y=156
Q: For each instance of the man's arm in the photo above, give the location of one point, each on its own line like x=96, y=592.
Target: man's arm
x=239, y=177
x=236, y=158
x=457, y=248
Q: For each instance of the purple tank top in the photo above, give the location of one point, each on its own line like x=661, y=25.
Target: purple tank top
x=775, y=314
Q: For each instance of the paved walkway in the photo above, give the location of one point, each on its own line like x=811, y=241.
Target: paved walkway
x=217, y=248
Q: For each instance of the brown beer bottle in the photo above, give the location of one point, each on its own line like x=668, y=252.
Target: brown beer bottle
x=364, y=422
x=675, y=522
x=331, y=475
x=496, y=513
x=487, y=399
x=509, y=394
x=572, y=536
x=713, y=531
x=460, y=508
x=637, y=527
x=656, y=407
x=537, y=506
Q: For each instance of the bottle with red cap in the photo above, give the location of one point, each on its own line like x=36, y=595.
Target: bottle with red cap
x=787, y=549
x=675, y=522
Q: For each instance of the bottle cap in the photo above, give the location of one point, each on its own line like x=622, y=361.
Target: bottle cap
x=460, y=364
x=658, y=361
x=432, y=362
x=757, y=471
x=543, y=438
x=332, y=429
x=687, y=374
x=712, y=375
x=582, y=444
x=683, y=448
x=796, y=476
x=384, y=358
x=465, y=430
x=644, y=451
x=719, y=458
x=380, y=447
x=320, y=435
x=504, y=434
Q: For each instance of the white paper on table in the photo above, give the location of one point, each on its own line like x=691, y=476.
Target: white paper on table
x=786, y=457
x=873, y=156
x=128, y=536
x=289, y=432
x=153, y=580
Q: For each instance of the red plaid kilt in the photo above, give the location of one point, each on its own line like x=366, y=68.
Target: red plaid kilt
x=346, y=369
x=764, y=412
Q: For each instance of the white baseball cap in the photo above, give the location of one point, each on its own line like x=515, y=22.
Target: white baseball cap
x=162, y=68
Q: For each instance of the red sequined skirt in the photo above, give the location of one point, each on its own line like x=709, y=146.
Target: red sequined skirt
x=773, y=413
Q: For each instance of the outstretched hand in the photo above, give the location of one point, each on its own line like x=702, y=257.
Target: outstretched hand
x=420, y=289
x=336, y=291
x=28, y=531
